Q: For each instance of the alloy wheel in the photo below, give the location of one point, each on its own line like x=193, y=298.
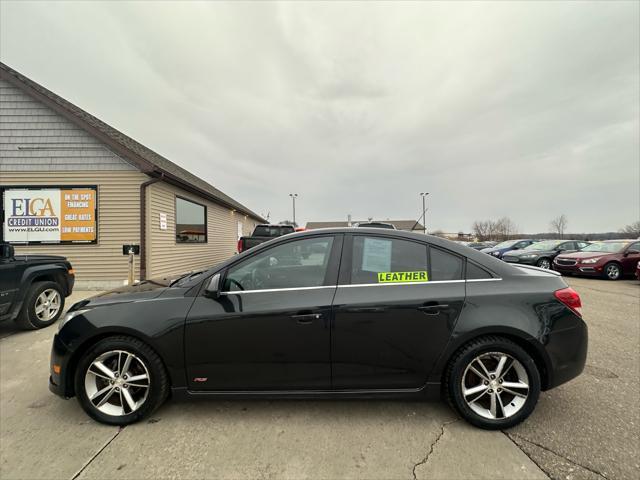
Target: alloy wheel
x=545, y=263
x=613, y=272
x=47, y=305
x=117, y=383
x=495, y=385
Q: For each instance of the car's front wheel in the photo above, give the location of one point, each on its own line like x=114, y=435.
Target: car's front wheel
x=120, y=380
x=493, y=383
x=612, y=271
x=43, y=305
x=544, y=263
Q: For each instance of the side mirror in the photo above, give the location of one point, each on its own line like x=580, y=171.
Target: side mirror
x=213, y=287
x=632, y=251
x=6, y=251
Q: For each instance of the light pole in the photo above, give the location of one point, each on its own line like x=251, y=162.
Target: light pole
x=424, y=211
x=293, y=197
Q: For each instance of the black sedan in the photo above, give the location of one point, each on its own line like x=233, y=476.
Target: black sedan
x=541, y=254
x=367, y=313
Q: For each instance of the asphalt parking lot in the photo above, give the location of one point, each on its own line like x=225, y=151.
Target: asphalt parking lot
x=588, y=428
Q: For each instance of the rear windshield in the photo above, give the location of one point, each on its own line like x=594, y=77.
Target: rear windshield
x=609, y=247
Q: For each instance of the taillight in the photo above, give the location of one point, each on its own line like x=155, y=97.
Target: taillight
x=570, y=298
x=239, y=245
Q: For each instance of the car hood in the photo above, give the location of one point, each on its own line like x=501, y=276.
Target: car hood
x=146, y=290
x=40, y=258
x=585, y=254
x=520, y=253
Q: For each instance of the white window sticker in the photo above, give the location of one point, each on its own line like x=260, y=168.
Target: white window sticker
x=376, y=255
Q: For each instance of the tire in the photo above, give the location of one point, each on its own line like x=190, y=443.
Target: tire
x=612, y=271
x=116, y=410
x=476, y=408
x=544, y=263
x=43, y=305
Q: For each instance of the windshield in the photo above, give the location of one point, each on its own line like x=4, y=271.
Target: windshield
x=508, y=243
x=181, y=280
x=548, y=245
x=608, y=247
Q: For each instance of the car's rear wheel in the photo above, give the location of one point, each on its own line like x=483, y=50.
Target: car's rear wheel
x=120, y=380
x=43, y=305
x=493, y=383
x=612, y=271
x=544, y=263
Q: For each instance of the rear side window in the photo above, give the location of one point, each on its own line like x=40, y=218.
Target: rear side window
x=387, y=260
x=474, y=272
x=445, y=265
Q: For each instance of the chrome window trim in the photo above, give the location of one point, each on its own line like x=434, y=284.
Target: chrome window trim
x=291, y=289
x=391, y=284
x=484, y=280
x=241, y=292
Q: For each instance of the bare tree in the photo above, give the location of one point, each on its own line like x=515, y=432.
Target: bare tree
x=559, y=224
x=481, y=229
x=505, y=228
x=633, y=229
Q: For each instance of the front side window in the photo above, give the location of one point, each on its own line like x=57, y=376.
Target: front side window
x=298, y=264
x=386, y=260
x=191, y=222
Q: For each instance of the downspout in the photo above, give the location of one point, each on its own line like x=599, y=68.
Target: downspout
x=143, y=223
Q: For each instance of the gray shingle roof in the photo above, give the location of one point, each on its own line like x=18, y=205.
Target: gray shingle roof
x=144, y=158
x=399, y=224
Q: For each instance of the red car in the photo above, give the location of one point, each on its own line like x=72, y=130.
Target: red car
x=611, y=259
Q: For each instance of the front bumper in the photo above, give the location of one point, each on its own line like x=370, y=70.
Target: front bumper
x=579, y=269
x=522, y=261
x=58, y=381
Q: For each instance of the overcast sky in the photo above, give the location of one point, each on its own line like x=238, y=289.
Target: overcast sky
x=523, y=109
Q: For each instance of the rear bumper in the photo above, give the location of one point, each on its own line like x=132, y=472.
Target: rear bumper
x=567, y=350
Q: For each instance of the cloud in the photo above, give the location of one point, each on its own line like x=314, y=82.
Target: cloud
x=522, y=109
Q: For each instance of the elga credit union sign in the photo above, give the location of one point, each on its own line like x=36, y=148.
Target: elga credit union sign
x=50, y=215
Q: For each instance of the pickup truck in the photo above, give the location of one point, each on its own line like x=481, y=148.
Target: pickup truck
x=263, y=233
x=33, y=287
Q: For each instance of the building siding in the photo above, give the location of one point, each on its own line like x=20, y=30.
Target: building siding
x=101, y=265
x=165, y=256
x=33, y=137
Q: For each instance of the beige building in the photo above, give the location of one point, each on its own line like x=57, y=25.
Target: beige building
x=72, y=185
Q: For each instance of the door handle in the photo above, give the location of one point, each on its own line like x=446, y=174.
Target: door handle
x=307, y=317
x=433, y=309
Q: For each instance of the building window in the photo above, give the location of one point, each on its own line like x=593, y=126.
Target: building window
x=191, y=222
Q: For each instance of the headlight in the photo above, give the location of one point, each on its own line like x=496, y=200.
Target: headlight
x=70, y=315
x=591, y=260
x=529, y=255
x=495, y=254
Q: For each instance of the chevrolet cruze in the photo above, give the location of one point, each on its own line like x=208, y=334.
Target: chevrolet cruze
x=335, y=313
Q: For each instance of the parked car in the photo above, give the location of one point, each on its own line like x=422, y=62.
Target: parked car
x=263, y=233
x=33, y=287
x=541, y=254
x=481, y=245
x=503, y=247
x=372, y=313
x=389, y=226
x=611, y=259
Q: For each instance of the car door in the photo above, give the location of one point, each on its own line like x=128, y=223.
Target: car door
x=395, y=307
x=630, y=258
x=269, y=329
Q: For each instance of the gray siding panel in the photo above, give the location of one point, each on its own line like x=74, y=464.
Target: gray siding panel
x=61, y=145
